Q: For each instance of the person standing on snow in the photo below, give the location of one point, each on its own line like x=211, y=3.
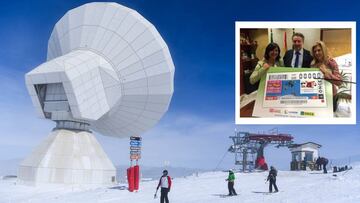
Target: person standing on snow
x=231, y=181
x=325, y=161
x=272, y=179
x=318, y=163
x=165, y=184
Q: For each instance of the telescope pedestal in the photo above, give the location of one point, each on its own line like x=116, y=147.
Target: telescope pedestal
x=68, y=157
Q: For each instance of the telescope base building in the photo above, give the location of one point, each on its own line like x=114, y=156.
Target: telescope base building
x=68, y=157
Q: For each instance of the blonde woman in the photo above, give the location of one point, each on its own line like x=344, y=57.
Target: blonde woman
x=271, y=59
x=327, y=66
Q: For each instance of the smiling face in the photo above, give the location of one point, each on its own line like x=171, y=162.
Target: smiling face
x=318, y=53
x=274, y=53
x=298, y=43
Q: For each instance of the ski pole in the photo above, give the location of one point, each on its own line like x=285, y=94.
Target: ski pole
x=155, y=195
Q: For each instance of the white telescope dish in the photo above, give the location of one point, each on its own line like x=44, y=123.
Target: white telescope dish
x=108, y=70
x=114, y=66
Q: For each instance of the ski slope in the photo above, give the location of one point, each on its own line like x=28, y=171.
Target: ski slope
x=304, y=186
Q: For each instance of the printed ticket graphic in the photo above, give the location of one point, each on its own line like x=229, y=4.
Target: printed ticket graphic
x=294, y=92
x=298, y=89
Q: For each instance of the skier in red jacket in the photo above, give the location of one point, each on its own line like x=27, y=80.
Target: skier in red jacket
x=165, y=184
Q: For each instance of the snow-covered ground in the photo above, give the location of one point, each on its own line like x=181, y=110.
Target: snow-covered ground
x=305, y=186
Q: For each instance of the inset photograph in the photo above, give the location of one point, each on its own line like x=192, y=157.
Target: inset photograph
x=296, y=72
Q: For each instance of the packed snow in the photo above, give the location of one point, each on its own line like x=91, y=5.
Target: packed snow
x=209, y=187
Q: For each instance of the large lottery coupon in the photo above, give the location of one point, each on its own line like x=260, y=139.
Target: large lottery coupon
x=293, y=92
x=298, y=89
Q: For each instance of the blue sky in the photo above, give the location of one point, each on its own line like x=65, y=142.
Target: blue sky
x=200, y=36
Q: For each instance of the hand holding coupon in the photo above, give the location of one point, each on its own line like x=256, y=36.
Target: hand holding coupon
x=327, y=73
x=266, y=66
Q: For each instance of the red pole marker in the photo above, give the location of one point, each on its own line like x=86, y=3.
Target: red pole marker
x=136, y=177
x=130, y=177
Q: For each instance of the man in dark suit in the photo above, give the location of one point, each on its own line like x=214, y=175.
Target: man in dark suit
x=298, y=56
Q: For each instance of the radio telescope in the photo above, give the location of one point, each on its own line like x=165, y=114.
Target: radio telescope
x=107, y=70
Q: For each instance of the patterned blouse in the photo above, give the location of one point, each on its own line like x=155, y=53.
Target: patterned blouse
x=335, y=76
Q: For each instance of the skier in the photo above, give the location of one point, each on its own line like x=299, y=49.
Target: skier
x=272, y=179
x=231, y=180
x=318, y=163
x=165, y=183
x=325, y=161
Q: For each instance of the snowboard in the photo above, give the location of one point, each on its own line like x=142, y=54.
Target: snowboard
x=224, y=195
x=267, y=193
x=272, y=193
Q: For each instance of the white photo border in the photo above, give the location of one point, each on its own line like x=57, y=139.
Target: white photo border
x=291, y=24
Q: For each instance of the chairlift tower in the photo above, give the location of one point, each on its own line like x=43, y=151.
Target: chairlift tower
x=249, y=148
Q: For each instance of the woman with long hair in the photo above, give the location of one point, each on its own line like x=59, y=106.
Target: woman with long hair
x=271, y=59
x=327, y=66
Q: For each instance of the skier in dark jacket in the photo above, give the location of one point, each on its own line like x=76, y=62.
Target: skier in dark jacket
x=272, y=179
x=325, y=161
x=231, y=180
x=318, y=163
x=322, y=161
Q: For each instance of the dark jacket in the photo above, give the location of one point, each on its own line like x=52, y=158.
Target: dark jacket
x=322, y=161
x=307, y=58
x=272, y=174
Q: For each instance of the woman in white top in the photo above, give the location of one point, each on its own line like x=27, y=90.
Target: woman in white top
x=271, y=59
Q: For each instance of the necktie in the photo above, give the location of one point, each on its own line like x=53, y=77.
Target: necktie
x=297, y=53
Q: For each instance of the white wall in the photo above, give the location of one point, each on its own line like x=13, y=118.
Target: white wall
x=304, y=148
x=311, y=36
